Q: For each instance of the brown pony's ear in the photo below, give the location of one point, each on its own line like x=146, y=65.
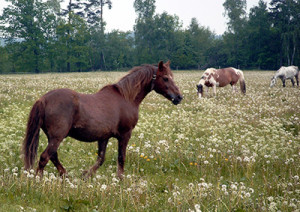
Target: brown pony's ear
x=168, y=63
x=161, y=66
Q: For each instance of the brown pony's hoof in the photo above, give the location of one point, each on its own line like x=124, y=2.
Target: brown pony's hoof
x=39, y=173
x=86, y=174
x=120, y=175
x=64, y=175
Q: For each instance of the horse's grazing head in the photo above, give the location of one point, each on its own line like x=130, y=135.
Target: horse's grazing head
x=200, y=90
x=201, y=84
x=164, y=83
x=273, y=81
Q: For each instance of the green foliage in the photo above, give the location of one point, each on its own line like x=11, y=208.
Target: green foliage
x=236, y=12
x=4, y=61
x=30, y=22
x=200, y=41
x=43, y=37
x=123, y=57
x=144, y=8
x=286, y=19
x=235, y=38
x=259, y=32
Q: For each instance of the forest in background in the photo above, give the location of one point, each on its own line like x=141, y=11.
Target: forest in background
x=41, y=36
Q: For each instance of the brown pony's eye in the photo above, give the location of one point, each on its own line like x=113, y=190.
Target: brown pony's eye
x=165, y=79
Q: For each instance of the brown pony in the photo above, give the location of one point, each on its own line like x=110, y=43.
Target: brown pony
x=219, y=78
x=111, y=112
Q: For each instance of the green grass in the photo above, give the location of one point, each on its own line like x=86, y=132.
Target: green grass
x=225, y=153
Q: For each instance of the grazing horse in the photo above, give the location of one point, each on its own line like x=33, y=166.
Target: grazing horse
x=111, y=112
x=219, y=78
x=286, y=73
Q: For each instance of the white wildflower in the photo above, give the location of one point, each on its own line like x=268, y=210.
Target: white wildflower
x=103, y=187
x=197, y=208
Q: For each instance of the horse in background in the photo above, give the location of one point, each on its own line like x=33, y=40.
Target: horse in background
x=284, y=73
x=219, y=78
x=111, y=112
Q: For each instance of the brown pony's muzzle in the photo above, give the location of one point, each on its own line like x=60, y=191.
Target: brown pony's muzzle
x=175, y=96
x=177, y=99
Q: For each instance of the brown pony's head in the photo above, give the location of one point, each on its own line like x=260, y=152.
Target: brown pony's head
x=165, y=85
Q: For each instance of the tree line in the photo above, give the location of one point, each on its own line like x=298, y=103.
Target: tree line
x=41, y=36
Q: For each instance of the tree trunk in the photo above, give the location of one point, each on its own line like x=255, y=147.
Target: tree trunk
x=293, y=55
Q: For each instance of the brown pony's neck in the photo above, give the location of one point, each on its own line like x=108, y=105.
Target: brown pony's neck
x=137, y=84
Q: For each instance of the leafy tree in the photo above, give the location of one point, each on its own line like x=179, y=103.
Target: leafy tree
x=79, y=45
x=92, y=11
x=5, y=66
x=93, y=14
x=217, y=53
x=119, y=50
x=201, y=39
x=68, y=13
x=163, y=35
x=236, y=12
x=181, y=55
x=234, y=38
x=145, y=9
x=27, y=22
x=143, y=30
x=261, y=53
x=72, y=45
x=286, y=19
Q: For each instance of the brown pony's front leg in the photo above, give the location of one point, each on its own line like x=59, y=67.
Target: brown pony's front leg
x=100, y=159
x=123, y=141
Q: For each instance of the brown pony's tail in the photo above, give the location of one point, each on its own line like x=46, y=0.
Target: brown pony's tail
x=242, y=83
x=31, y=141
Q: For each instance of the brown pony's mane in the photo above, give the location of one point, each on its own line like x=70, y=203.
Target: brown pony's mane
x=131, y=84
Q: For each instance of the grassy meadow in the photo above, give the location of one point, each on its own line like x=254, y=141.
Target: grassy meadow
x=225, y=153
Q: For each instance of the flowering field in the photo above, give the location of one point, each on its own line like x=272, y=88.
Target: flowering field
x=225, y=153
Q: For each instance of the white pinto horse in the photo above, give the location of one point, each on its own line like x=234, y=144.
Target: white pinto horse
x=219, y=78
x=286, y=73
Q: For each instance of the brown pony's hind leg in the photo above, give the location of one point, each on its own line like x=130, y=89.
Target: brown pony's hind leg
x=58, y=165
x=100, y=159
x=123, y=141
x=49, y=152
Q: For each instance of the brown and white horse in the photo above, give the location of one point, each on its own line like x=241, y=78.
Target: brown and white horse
x=219, y=78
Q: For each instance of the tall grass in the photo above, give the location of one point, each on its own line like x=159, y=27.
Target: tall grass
x=225, y=153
